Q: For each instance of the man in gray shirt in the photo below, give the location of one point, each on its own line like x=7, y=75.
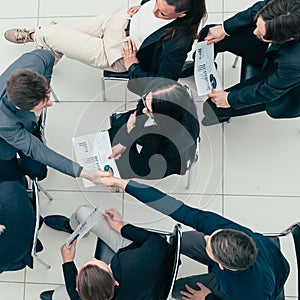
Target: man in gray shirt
x=24, y=92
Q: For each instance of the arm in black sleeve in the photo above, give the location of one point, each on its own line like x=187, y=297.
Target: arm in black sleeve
x=243, y=19
x=203, y=221
x=70, y=274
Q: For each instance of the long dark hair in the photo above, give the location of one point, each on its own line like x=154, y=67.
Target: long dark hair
x=189, y=24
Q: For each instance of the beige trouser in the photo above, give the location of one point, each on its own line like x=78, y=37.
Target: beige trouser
x=102, y=229
x=97, y=41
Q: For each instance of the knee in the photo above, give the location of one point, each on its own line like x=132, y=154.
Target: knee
x=82, y=212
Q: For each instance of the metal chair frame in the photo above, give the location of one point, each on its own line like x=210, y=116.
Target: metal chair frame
x=294, y=230
x=35, y=191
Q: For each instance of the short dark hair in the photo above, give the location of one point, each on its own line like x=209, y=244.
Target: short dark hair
x=94, y=283
x=282, y=19
x=26, y=88
x=233, y=249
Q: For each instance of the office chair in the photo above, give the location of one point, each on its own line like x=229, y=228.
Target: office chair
x=36, y=201
x=103, y=252
x=187, y=69
x=294, y=230
x=248, y=69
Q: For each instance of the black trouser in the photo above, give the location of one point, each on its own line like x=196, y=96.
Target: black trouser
x=243, y=44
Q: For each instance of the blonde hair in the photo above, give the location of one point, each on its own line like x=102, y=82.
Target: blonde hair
x=2, y=228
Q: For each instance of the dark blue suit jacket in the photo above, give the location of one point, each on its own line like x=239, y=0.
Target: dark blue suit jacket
x=278, y=84
x=263, y=280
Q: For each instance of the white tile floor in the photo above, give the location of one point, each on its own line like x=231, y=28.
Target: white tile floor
x=248, y=169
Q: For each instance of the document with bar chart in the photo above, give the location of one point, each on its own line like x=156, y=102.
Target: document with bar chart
x=92, y=151
x=206, y=76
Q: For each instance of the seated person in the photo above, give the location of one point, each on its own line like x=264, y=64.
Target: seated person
x=138, y=270
x=267, y=35
x=159, y=137
x=244, y=264
x=24, y=93
x=17, y=224
x=162, y=33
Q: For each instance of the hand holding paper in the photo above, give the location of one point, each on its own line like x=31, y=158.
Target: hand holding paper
x=114, y=219
x=219, y=98
x=68, y=254
x=215, y=34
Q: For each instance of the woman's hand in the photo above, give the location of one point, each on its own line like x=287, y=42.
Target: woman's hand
x=131, y=122
x=133, y=10
x=129, y=54
x=117, y=151
x=114, y=219
x=68, y=254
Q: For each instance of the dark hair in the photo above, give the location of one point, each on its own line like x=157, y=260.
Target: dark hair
x=171, y=99
x=26, y=88
x=282, y=19
x=94, y=283
x=189, y=24
x=233, y=249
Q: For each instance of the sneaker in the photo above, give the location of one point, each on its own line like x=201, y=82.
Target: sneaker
x=47, y=295
x=58, y=222
x=18, y=35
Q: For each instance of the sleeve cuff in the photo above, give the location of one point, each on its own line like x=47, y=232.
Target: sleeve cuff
x=225, y=30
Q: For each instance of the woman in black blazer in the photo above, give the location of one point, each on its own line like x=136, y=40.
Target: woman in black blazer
x=159, y=137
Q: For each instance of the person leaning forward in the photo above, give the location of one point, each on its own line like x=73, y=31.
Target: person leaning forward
x=244, y=264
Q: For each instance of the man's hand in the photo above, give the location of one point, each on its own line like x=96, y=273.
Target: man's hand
x=68, y=254
x=215, y=34
x=92, y=175
x=133, y=10
x=219, y=98
x=114, y=219
x=192, y=294
x=129, y=54
x=112, y=182
x=117, y=151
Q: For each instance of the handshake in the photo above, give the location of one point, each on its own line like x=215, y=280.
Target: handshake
x=105, y=178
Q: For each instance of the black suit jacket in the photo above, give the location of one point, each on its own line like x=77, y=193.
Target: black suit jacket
x=278, y=84
x=141, y=268
x=159, y=59
x=17, y=215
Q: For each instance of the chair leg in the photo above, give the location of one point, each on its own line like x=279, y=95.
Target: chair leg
x=41, y=262
x=189, y=178
x=54, y=95
x=102, y=85
x=45, y=192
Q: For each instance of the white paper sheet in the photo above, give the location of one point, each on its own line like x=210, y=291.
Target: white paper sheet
x=206, y=76
x=85, y=226
x=92, y=153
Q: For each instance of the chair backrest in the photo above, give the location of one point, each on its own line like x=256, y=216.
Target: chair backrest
x=248, y=70
x=294, y=230
x=175, y=241
x=35, y=195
